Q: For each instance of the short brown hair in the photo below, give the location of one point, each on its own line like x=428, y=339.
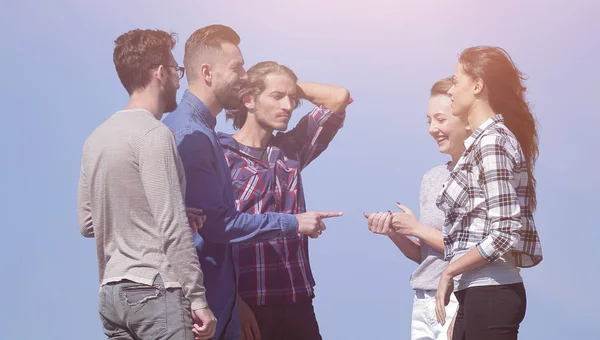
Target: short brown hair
x=441, y=87
x=203, y=42
x=256, y=85
x=137, y=51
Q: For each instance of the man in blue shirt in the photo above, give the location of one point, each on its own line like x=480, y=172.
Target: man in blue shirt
x=215, y=71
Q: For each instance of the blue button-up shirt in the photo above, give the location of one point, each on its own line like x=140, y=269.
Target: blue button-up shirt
x=209, y=188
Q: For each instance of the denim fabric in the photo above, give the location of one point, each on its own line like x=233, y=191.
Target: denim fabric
x=131, y=311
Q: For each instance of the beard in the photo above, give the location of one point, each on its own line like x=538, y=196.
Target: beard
x=269, y=124
x=229, y=99
x=279, y=126
x=170, y=98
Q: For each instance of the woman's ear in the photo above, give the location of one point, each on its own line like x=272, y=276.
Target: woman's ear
x=478, y=86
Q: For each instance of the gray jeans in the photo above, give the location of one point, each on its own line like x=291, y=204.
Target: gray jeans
x=133, y=311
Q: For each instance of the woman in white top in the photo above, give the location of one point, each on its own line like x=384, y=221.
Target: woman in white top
x=489, y=199
x=449, y=132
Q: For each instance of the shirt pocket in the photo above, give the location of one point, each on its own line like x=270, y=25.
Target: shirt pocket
x=247, y=187
x=286, y=176
x=459, y=193
x=287, y=184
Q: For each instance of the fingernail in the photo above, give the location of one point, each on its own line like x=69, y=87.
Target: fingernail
x=398, y=203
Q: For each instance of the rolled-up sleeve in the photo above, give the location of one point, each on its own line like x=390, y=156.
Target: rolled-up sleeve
x=313, y=133
x=498, y=162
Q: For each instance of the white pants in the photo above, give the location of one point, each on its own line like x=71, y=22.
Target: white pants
x=424, y=324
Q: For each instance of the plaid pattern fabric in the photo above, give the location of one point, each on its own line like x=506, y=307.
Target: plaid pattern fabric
x=277, y=271
x=486, y=199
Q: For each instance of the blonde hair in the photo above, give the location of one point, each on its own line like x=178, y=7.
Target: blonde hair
x=441, y=87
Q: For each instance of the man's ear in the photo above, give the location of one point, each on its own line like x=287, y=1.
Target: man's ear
x=159, y=74
x=249, y=102
x=206, y=73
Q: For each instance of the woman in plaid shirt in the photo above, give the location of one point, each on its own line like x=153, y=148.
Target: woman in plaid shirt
x=489, y=199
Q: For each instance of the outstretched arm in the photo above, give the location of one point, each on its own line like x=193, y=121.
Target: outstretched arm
x=381, y=223
x=406, y=223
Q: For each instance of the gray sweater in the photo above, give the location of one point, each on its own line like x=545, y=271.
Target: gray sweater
x=427, y=274
x=130, y=199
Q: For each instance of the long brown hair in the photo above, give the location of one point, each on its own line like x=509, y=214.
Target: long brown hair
x=506, y=95
x=255, y=86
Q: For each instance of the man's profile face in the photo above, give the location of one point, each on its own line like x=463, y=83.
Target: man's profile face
x=171, y=85
x=228, y=76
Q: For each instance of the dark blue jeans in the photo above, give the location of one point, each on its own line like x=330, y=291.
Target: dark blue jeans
x=490, y=312
x=133, y=311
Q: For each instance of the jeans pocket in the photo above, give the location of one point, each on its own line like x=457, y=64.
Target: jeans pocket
x=145, y=310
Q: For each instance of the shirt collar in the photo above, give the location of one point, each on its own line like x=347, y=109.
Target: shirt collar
x=493, y=120
x=200, y=109
x=228, y=141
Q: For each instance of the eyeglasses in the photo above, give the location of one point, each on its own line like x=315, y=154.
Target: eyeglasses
x=180, y=69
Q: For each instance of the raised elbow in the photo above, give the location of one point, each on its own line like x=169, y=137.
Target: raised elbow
x=342, y=99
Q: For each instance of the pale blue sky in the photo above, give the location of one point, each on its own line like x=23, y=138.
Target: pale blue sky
x=59, y=83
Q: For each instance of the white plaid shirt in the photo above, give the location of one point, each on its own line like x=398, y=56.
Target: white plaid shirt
x=486, y=199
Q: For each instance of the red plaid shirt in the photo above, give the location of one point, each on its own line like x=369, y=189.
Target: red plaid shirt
x=278, y=271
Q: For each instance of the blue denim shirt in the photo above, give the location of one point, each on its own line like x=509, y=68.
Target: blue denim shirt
x=209, y=188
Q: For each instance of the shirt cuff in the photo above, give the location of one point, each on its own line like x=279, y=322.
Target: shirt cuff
x=289, y=225
x=199, y=302
x=323, y=115
x=487, y=250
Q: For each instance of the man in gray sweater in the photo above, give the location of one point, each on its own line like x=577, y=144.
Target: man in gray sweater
x=131, y=200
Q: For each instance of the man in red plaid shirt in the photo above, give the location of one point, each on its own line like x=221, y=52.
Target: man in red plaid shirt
x=276, y=286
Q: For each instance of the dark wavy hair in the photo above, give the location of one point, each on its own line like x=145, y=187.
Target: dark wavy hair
x=506, y=95
x=255, y=86
x=137, y=51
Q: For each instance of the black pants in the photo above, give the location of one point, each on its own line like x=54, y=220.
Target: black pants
x=490, y=312
x=288, y=322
